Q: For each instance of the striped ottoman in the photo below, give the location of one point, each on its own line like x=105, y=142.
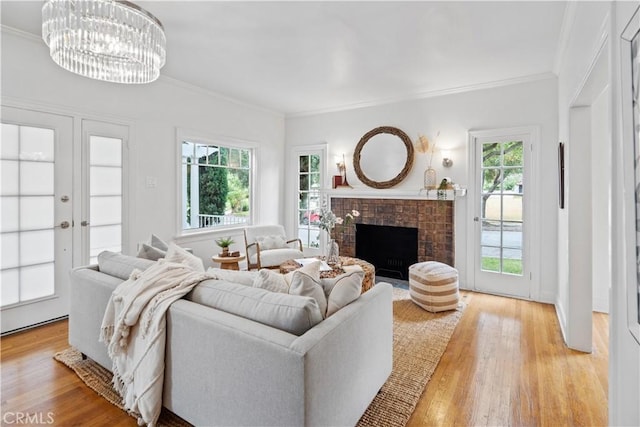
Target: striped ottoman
x=434, y=286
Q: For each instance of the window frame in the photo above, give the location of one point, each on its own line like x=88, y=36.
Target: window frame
x=217, y=140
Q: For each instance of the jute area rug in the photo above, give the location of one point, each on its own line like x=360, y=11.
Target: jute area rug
x=419, y=340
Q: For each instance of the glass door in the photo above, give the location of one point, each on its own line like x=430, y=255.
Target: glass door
x=309, y=181
x=501, y=251
x=36, y=227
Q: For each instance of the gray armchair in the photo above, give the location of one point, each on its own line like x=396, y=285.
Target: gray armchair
x=267, y=246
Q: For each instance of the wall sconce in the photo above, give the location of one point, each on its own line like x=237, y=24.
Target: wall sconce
x=446, y=159
x=341, y=180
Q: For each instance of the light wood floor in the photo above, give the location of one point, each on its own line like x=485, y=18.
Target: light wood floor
x=506, y=364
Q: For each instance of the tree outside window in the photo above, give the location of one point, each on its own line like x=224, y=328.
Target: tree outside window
x=216, y=185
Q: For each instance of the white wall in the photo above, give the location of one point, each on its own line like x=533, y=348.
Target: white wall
x=598, y=25
x=601, y=199
x=532, y=103
x=153, y=112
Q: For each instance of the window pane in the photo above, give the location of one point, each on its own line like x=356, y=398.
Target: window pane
x=105, y=181
x=10, y=214
x=490, y=233
x=105, y=238
x=304, y=200
x=187, y=152
x=105, y=151
x=512, y=235
x=10, y=250
x=512, y=152
x=304, y=163
x=490, y=259
x=10, y=177
x=512, y=207
x=512, y=261
x=10, y=292
x=37, y=281
x=491, y=154
x=9, y=148
x=304, y=182
x=36, y=179
x=234, y=158
x=491, y=180
x=224, y=156
x=37, y=213
x=36, y=247
x=314, y=163
x=491, y=206
x=36, y=144
x=315, y=181
x=106, y=210
x=512, y=180
x=245, y=158
x=201, y=153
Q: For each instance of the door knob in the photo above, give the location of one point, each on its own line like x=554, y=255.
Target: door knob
x=64, y=224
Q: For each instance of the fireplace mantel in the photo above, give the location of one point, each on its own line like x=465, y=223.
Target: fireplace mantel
x=371, y=193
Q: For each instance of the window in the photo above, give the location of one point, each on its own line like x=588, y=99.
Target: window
x=216, y=185
x=309, y=179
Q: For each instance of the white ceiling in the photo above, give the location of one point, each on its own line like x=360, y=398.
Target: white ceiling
x=299, y=57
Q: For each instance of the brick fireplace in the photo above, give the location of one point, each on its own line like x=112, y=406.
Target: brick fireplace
x=432, y=218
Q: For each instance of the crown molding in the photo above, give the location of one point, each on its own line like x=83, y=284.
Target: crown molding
x=428, y=94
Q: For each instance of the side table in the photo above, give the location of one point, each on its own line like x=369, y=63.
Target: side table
x=228, y=262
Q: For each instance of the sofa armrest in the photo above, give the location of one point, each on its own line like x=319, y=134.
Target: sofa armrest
x=349, y=356
x=221, y=369
x=89, y=294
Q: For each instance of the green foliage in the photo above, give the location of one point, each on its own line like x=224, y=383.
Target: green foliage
x=224, y=242
x=213, y=190
x=511, y=266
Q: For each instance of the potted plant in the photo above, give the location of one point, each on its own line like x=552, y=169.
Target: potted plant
x=224, y=243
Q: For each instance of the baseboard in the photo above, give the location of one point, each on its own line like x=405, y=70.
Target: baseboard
x=562, y=320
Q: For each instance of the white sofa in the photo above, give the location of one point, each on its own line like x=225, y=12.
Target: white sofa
x=224, y=369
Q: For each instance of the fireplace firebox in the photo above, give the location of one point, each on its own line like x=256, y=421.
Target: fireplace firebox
x=390, y=249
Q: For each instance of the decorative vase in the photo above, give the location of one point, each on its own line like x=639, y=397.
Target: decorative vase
x=430, y=178
x=333, y=252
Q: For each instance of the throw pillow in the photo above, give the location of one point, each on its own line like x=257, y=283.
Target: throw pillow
x=177, y=254
x=343, y=290
x=149, y=252
x=271, y=281
x=271, y=242
x=306, y=282
x=158, y=243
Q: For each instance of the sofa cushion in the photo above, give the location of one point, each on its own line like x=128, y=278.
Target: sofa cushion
x=271, y=242
x=119, y=265
x=147, y=251
x=177, y=254
x=291, y=313
x=236, y=276
x=305, y=281
x=158, y=243
x=271, y=280
x=343, y=290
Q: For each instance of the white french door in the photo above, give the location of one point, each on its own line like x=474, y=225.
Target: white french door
x=501, y=197
x=36, y=231
x=104, y=149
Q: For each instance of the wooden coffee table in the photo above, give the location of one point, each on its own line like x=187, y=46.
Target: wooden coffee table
x=369, y=270
x=228, y=262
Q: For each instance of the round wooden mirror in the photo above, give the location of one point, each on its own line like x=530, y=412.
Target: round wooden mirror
x=383, y=157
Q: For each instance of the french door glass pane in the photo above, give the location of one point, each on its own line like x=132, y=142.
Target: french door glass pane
x=501, y=232
x=105, y=190
x=27, y=230
x=309, y=185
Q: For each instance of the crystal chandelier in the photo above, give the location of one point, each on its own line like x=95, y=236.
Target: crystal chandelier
x=111, y=40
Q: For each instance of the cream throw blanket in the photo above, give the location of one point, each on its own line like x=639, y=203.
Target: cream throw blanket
x=133, y=328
